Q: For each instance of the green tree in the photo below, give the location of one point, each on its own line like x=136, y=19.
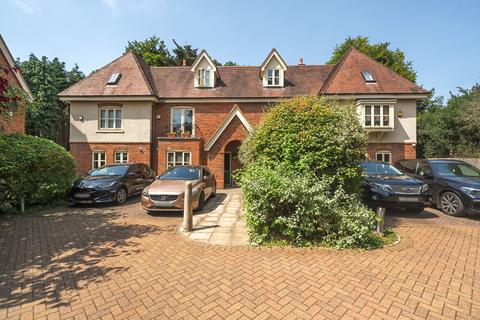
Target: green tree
x=230, y=64
x=394, y=59
x=46, y=115
x=153, y=51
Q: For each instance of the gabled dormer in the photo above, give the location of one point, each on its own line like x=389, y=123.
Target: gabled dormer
x=204, y=71
x=272, y=70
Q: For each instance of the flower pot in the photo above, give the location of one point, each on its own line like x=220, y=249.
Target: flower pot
x=171, y=134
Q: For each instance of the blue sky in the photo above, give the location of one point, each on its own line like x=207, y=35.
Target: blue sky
x=440, y=37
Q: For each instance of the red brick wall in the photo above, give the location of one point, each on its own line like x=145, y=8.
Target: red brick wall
x=399, y=150
x=17, y=122
x=194, y=145
x=82, y=152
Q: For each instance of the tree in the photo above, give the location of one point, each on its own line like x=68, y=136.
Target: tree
x=394, y=59
x=46, y=115
x=155, y=52
x=230, y=64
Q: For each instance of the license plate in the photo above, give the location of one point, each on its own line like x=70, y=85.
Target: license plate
x=82, y=195
x=408, y=199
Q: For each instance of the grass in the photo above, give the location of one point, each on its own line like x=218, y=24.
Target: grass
x=389, y=237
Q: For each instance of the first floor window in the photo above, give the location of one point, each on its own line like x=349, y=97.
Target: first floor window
x=121, y=156
x=178, y=158
x=377, y=116
x=385, y=156
x=98, y=159
x=182, y=121
x=110, y=118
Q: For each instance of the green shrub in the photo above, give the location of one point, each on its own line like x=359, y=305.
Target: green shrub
x=311, y=134
x=35, y=169
x=302, y=209
x=302, y=176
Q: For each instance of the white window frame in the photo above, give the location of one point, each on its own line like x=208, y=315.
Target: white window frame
x=97, y=159
x=204, y=77
x=174, y=163
x=107, y=110
x=274, y=78
x=122, y=158
x=387, y=108
x=382, y=154
x=182, y=119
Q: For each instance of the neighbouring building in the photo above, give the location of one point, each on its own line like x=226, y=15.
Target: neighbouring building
x=128, y=111
x=16, y=124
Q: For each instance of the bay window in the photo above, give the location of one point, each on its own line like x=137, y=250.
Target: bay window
x=377, y=116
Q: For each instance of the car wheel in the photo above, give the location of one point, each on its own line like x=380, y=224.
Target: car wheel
x=121, y=196
x=451, y=204
x=201, y=202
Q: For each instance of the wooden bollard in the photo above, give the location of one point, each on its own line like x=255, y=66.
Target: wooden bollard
x=187, y=208
x=381, y=223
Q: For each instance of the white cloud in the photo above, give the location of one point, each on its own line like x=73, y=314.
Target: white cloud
x=25, y=5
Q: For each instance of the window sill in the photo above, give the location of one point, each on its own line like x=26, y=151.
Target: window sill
x=110, y=131
x=378, y=128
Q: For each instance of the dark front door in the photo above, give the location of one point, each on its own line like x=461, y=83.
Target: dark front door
x=227, y=165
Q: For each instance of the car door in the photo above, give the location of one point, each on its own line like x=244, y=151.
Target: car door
x=424, y=173
x=208, y=182
x=135, y=179
x=147, y=176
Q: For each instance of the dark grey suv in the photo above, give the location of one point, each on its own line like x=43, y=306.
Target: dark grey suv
x=454, y=184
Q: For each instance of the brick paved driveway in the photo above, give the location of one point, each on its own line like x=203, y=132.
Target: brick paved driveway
x=120, y=262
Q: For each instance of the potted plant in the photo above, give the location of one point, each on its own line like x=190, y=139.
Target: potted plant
x=171, y=134
x=186, y=134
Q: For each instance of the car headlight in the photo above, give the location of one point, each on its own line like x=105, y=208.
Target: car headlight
x=145, y=192
x=381, y=186
x=472, y=192
x=107, y=184
x=424, y=188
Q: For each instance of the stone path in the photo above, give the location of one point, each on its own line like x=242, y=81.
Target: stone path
x=221, y=222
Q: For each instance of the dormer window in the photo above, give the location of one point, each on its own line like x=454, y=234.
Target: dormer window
x=204, y=71
x=203, y=77
x=272, y=70
x=368, y=76
x=114, y=78
x=273, y=77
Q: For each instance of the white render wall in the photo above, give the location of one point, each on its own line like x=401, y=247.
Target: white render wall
x=405, y=128
x=136, y=123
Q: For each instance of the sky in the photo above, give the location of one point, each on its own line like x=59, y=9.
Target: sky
x=440, y=37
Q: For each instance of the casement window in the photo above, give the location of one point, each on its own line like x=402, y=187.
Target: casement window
x=378, y=116
x=110, y=118
x=273, y=77
x=204, y=77
x=98, y=159
x=178, y=158
x=385, y=156
x=182, y=121
x=121, y=157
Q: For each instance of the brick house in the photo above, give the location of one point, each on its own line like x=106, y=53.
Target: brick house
x=16, y=124
x=128, y=111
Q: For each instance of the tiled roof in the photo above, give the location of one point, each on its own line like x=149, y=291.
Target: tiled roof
x=346, y=78
x=138, y=79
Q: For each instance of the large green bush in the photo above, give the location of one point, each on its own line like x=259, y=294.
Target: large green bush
x=302, y=175
x=34, y=169
x=311, y=134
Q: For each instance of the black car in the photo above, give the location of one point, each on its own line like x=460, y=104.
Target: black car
x=385, y=186
x=114, y=182
x=454, y=184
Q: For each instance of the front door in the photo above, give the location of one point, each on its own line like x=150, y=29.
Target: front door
x=227, y=171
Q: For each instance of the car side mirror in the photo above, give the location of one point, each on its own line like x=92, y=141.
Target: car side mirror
x=89, y=172
x=428, y=175
x=205, y=178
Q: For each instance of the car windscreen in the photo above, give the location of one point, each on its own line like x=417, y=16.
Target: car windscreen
x=378, y=168
x=110, y=171
x=181, y=173
x=455, y=169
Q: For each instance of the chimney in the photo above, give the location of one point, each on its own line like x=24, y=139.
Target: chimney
x=300, y=63
x=184, y=62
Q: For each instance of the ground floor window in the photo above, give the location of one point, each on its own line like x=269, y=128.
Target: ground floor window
x=98, y=159
x=178, y=158
x=385, y=156
x=121, y=156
